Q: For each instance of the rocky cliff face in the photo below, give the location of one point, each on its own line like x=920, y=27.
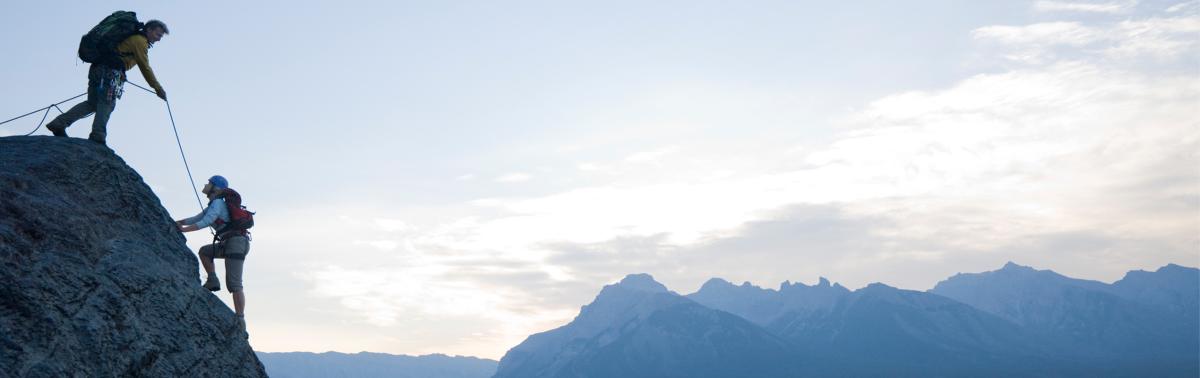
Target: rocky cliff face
x=94, y=280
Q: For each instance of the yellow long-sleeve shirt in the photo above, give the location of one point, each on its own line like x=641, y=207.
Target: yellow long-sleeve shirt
x=135, y=51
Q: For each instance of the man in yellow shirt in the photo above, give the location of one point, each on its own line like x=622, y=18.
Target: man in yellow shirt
x=105, y=84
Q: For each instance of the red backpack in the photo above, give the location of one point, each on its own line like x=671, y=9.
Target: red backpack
x=240, y=219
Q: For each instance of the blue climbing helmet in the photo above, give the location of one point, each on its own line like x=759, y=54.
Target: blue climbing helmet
x=219, y=182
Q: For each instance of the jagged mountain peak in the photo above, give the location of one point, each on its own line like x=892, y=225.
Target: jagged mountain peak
x=1169, y=271
x=878, y=286
x=642, y=282
x=881, y=291
x=1014, y=267
x=634, y=327
x=822, y=283
x=716, y=284
x=1176, y=269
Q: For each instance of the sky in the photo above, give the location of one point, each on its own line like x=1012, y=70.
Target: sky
x=451, y=177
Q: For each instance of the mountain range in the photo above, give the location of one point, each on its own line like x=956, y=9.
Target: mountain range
x=365, y=364
x=1013, y=321
x=1016, y=320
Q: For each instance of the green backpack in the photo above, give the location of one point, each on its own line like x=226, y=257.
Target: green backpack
x=99, y=46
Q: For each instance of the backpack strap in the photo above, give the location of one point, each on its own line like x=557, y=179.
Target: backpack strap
x=233, y=203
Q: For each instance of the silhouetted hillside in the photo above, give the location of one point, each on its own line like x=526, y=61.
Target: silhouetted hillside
x=374, y=365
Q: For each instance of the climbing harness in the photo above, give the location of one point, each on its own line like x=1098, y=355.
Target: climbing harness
x=169, y=113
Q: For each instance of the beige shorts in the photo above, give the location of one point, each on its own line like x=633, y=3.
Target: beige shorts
x=234, y=251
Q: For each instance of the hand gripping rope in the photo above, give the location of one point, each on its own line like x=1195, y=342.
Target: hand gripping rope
x=169, y=113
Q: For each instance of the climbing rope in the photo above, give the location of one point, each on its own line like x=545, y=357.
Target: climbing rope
x=178, y=143
x=169, y=113
x=47, y=109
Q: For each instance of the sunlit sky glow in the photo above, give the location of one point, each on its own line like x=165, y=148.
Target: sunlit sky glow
x=451, y=177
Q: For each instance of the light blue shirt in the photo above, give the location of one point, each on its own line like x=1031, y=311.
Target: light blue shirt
x=216, y=210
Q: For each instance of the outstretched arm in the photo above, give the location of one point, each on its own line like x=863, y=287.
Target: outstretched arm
x=205, y=218
x=142, y=57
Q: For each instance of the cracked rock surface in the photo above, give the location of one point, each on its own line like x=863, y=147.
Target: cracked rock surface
x=94, y=279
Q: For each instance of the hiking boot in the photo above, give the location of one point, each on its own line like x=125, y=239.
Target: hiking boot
x=212, y=284
x=57, y=131
x=239, y=326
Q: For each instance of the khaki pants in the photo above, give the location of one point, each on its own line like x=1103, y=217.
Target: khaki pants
x=234, y=251
x=104, y=88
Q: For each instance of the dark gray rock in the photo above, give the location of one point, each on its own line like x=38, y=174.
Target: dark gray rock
x=94, y=280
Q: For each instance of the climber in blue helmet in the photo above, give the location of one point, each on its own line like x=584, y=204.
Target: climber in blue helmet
x=232, y=242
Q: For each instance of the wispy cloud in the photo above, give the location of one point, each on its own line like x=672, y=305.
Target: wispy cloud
x=1161, y=38
x=391, y=225
x=1077, y=6
x=591, y=167
x=514, y=177
x=650, y=156
x=383, y=245
x=1042, y=43
x=1042, y=34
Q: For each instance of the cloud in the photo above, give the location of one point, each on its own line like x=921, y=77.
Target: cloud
x=597, y=169
x=907, y=243
x=1093, y=7
x=383, y=245
x=1034, y=149
x=390, y=225
x=651, y=156
x=514, y=177
x=482, y=307
x=1044, y=165
x=1042, y=34
x=385, y=296
x=1018, y=156
x=1181, y=7
x=1159, y=38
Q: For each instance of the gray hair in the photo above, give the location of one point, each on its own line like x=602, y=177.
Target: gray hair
x=156, y=24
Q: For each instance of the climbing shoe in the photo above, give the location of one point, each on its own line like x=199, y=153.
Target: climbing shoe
x=212, y=284
x=239, y=328
x=57, y=131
